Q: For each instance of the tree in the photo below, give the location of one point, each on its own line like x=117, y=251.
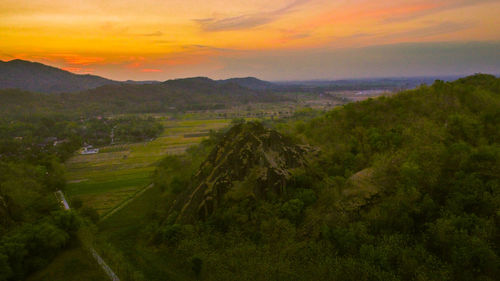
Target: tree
x=196, y=265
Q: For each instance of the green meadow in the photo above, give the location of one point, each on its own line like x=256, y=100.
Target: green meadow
x=104, y=180
x=121, y=245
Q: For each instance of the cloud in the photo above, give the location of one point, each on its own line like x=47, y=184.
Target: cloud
x=80, y=60
x=288, y=35
x=120, y=29
x=79, y=70
x=436, y=29
x=353, y=36
x=151, y=70
x=153, y=34
x=6, y=56
x=198, y=47
x=402, y=59
x=114, y=28
x=246, y=21
x=72, y=69
x=163, y=42
x=438, y=7
x=299, y=36
x=432, y=29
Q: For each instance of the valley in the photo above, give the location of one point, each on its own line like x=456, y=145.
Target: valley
x=298, y=184
x=117, y=172
x=291, y=140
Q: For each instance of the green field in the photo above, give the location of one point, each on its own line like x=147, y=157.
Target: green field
x=122, y=246
x=104, y=180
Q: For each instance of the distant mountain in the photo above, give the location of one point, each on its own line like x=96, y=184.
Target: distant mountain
x=37, y=77
x=251, y=83
x=196, y=93
x=389, y=84
x=178, y=95
x=142, y=82
x=248, y=82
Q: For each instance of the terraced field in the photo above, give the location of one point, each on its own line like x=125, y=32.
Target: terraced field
x=105, y=179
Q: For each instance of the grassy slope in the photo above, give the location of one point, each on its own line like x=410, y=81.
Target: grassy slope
x=119, y=237
x=74, y=264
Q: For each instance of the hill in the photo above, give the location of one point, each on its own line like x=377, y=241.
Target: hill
x=251, y=83
x=37, y=77
x=180, y=94
x=403, y=188
x=169, y=96
x=245, y=150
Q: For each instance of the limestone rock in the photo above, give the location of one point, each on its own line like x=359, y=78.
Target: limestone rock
x=244, y=149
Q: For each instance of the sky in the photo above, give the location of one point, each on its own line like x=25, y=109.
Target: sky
x=268, y=39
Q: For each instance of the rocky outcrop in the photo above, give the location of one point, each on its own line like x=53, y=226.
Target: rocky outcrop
x=245, y=149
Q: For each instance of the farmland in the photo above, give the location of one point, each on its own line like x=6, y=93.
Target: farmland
x=103, y=180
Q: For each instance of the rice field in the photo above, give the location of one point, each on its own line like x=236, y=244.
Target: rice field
x=104, y=180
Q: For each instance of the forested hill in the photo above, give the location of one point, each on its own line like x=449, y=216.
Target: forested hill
x=37, y=77
x=169, y=96
x=402, y=188
x=251, y=83
x=180, y=94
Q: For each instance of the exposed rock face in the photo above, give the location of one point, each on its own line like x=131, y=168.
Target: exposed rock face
x=245, y=149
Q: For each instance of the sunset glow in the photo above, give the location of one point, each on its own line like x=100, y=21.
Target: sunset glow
x=155, y=39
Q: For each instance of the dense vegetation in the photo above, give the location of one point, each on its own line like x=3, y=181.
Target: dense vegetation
x=398, y=188
x=103, y=131
x=33, y=228
x=170, y=96
x=25, y=138
x=401, y=188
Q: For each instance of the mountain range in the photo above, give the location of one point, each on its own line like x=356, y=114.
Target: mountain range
x=38, y=77
x=198, y=93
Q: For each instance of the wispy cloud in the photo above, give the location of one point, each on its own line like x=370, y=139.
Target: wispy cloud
x=248, y=20
x=151, y=70
x=437, y=7
x=434, y=29
x=6, y=56
x=78, y=70
x=198, y=47
x=114, y=28
x=163, y=42
x=414, y=34
x=152, y=34
x=81, y=60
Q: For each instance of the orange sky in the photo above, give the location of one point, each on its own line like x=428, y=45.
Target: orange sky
x=155, y=39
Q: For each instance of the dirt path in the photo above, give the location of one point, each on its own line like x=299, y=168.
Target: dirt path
x=100, y=261
x=126, y=202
